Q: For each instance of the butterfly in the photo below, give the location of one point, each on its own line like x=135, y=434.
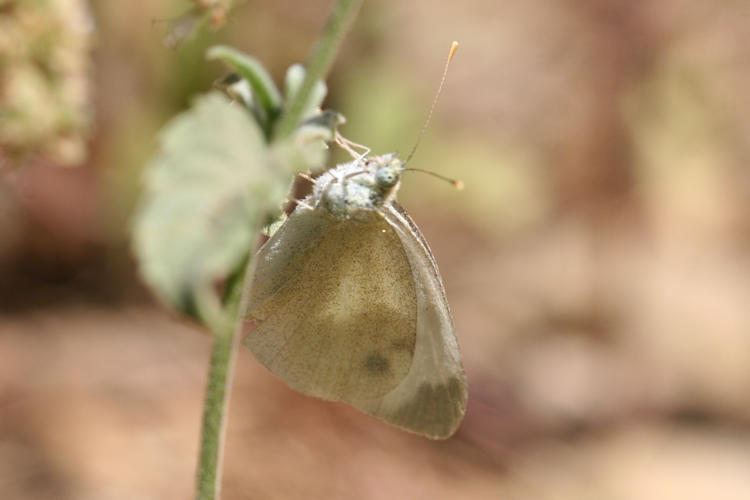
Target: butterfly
x=347, y=303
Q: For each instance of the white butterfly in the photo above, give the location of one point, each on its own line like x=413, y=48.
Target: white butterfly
x=348, y=304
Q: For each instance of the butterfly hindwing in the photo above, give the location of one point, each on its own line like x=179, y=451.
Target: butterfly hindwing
x=431, y=400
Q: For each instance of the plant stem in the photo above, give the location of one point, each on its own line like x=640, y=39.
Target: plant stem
x=320, y=61
x=214, y=416
x=216, y=403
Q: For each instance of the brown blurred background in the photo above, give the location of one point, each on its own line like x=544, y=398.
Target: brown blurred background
x=597, y=263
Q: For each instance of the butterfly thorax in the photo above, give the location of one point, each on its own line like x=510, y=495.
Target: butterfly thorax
x=361, y=185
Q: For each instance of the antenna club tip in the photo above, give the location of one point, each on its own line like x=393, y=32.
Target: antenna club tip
x=459, y=185
x=453, y=49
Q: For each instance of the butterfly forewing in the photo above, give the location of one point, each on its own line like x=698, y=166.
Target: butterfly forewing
x=334, y=306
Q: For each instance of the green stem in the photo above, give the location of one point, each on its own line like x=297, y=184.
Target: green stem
x=320, y=61
x=214, y=415
x=226, y=335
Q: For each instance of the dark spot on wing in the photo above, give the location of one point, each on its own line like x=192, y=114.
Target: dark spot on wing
x=376, y=364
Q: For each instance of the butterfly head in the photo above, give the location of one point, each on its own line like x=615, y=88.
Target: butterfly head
x=363, y=184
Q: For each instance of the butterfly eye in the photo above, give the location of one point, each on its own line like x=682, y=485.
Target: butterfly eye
x=386, y=177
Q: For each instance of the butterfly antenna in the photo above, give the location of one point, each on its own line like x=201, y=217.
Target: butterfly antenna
x=455, y=182
x=451, y=52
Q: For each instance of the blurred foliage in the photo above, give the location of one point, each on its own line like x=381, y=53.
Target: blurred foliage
x=203, y=12
x=44, y=78
x=684, y=154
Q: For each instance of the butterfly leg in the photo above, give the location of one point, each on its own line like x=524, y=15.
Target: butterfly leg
x=303, y=204
x=348, y=146
x=306, y=177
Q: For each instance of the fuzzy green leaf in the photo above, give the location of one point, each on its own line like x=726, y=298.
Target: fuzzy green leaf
x=207, y=194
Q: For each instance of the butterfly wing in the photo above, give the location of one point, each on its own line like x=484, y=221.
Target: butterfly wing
x=334, y=306
x=431, y=399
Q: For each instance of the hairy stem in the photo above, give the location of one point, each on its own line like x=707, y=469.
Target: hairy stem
x=214, y=416
x=216, y=403
x=320, y=61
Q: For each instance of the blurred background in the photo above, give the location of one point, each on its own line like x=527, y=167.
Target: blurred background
x=597, y=262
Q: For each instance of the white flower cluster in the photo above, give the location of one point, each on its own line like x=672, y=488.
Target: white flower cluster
x=45, y=79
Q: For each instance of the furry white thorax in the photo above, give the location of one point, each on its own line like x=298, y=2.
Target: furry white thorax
x=363, y=184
